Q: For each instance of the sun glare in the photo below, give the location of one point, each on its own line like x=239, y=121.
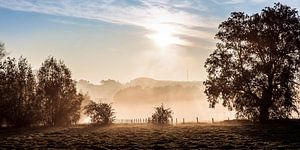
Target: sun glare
x=163, y=39
x=164, y=36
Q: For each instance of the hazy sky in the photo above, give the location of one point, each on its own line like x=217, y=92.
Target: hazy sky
x=120, y=39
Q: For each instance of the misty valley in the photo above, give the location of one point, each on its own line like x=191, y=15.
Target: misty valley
x=137, y=99
x=149, y=74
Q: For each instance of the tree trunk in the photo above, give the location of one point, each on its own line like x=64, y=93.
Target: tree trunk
x=266, y=101
x=267, y=96
x=263, y=113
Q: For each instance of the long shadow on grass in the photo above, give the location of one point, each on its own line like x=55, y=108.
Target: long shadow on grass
x=280, y=133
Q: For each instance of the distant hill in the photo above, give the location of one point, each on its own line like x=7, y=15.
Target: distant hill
x=149, y=82
x=141, y=89
x=105, y=90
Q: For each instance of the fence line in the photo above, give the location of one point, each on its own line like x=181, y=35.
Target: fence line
x=170, y=121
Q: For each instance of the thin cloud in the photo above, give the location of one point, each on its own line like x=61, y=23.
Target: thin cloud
x=148, y=14
x=237, y=1
x=189, y=18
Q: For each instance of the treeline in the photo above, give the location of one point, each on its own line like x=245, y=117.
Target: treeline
x=173, y=93
x=45, y=98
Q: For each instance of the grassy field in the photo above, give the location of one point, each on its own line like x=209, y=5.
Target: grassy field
x=146, y=136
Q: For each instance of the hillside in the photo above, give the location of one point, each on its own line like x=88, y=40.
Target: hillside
x=105, y=90
x=142, y=89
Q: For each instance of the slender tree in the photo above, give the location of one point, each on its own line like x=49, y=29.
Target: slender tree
x=76, y=109
x=255, y=67
x=20, y=104
x=56, y=89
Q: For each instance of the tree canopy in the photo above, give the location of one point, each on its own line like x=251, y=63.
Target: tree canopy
x=255, y=66
x=100, y=113
x=161, y=115
x=46, y=98
x=18, y=101
x=57, y=92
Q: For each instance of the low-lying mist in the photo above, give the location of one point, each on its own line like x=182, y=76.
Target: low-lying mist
x=137, y=99
x=187, y=110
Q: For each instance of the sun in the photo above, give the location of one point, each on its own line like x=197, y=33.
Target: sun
x=164, y=36
x=163, y=39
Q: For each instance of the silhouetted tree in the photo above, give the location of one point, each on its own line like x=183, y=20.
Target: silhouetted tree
x=2, y=74
x=161, y=115
x=57, y=91
x=255, y=66
x=21, y=108
x=100, y=113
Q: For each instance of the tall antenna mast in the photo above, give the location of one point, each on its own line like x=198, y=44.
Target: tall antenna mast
x=187, y=75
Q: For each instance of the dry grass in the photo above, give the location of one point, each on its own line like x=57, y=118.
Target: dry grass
x=147, y=136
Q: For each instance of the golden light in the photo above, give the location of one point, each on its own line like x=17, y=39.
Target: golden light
x=85, y=120
x=163, y=39
x=165, y=35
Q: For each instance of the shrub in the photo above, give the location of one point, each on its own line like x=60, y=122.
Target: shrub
x=161, y=115
x=100, y=113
